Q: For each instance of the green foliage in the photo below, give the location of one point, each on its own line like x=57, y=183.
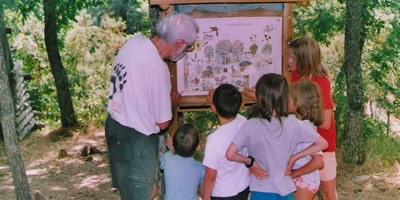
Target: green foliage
x=340, y=99
x=205, y=121
x=29, y=8
x=134, y=13
x=380, y=145
x=88, y=56
x=386, y=75
x=8, y=4
x=28, y=46
x=88, y=47
x=90, y=52
x=66, y=10
x=381, y=77
x=322, y=20
x=138, y=20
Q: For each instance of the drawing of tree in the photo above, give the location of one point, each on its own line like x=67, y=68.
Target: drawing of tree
x=223, y=51
x=253, y=49
x=267, y=49
x=209, y=53
x=237, y=50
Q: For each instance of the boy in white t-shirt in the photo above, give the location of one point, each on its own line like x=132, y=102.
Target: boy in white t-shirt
x=225, y=179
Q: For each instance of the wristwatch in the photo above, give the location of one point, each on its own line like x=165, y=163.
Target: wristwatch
x=250, y=164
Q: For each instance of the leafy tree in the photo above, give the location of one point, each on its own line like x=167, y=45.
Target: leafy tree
x=237, y=50
x=134, y=13
x=325, y=21
x=68, y=118
x=57, y=15
x=155, y=13
x=89, y=52
x=209, y=53
x=253, y=49
x=223, y=51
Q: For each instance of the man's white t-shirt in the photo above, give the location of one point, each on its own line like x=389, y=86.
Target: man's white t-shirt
x=232, y=177
x=140, y=87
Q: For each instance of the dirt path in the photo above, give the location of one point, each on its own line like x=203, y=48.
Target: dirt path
x=76, y=177
x=71, y=177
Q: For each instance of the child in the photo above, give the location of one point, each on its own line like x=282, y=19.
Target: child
x=271, y=136
x=305, y=103
x=225, y=179
x=304, y=61
x=183, y=174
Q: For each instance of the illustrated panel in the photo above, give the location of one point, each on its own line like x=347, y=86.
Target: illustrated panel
x=235, y=50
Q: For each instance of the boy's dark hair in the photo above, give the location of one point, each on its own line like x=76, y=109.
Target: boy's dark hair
x=185, y=141
x=272, y=94
x=227, y=100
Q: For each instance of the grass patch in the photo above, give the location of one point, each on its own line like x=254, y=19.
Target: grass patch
x=382, y=149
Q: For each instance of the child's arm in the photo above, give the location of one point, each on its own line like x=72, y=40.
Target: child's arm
x=233, y=154
x=210, y=96
x=319, y=145
x=316, y=162
x=155, y=191
x=201, y=190
x=209, y=182
x=170, y=145
x=250, y=93
x=327, y=114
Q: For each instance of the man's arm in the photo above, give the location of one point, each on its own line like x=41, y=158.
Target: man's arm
x=209, y=182
x=175, y=99
x=164, y=125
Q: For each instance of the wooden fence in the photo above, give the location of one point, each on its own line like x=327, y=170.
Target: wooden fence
x=24, y=115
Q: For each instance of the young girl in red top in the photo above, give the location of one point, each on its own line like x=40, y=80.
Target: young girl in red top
x=305, y=62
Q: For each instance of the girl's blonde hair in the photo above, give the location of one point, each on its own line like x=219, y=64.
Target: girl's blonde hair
x=308, y=57
x=306, y=98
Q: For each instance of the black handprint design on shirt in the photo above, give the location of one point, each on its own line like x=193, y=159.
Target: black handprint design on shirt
x=118, y=79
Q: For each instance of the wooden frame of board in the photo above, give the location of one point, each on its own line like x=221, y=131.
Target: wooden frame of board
x=200, y=103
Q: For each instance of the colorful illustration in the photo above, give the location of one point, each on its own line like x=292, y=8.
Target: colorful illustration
x=236, y=50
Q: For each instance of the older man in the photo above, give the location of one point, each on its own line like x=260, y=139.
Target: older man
x=140, y=103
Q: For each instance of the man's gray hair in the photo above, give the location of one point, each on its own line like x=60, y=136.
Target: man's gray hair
x=178, y=27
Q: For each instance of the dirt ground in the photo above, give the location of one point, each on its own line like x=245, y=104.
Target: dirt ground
x=70, y=175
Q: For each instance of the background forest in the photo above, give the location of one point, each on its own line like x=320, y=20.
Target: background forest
x=91, y=32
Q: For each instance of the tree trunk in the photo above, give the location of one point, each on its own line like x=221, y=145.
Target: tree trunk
x=9, y=65
x=354, y=147
x=7, y=120
x=68, y=118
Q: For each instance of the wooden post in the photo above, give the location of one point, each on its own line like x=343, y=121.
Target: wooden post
x=287, y=37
